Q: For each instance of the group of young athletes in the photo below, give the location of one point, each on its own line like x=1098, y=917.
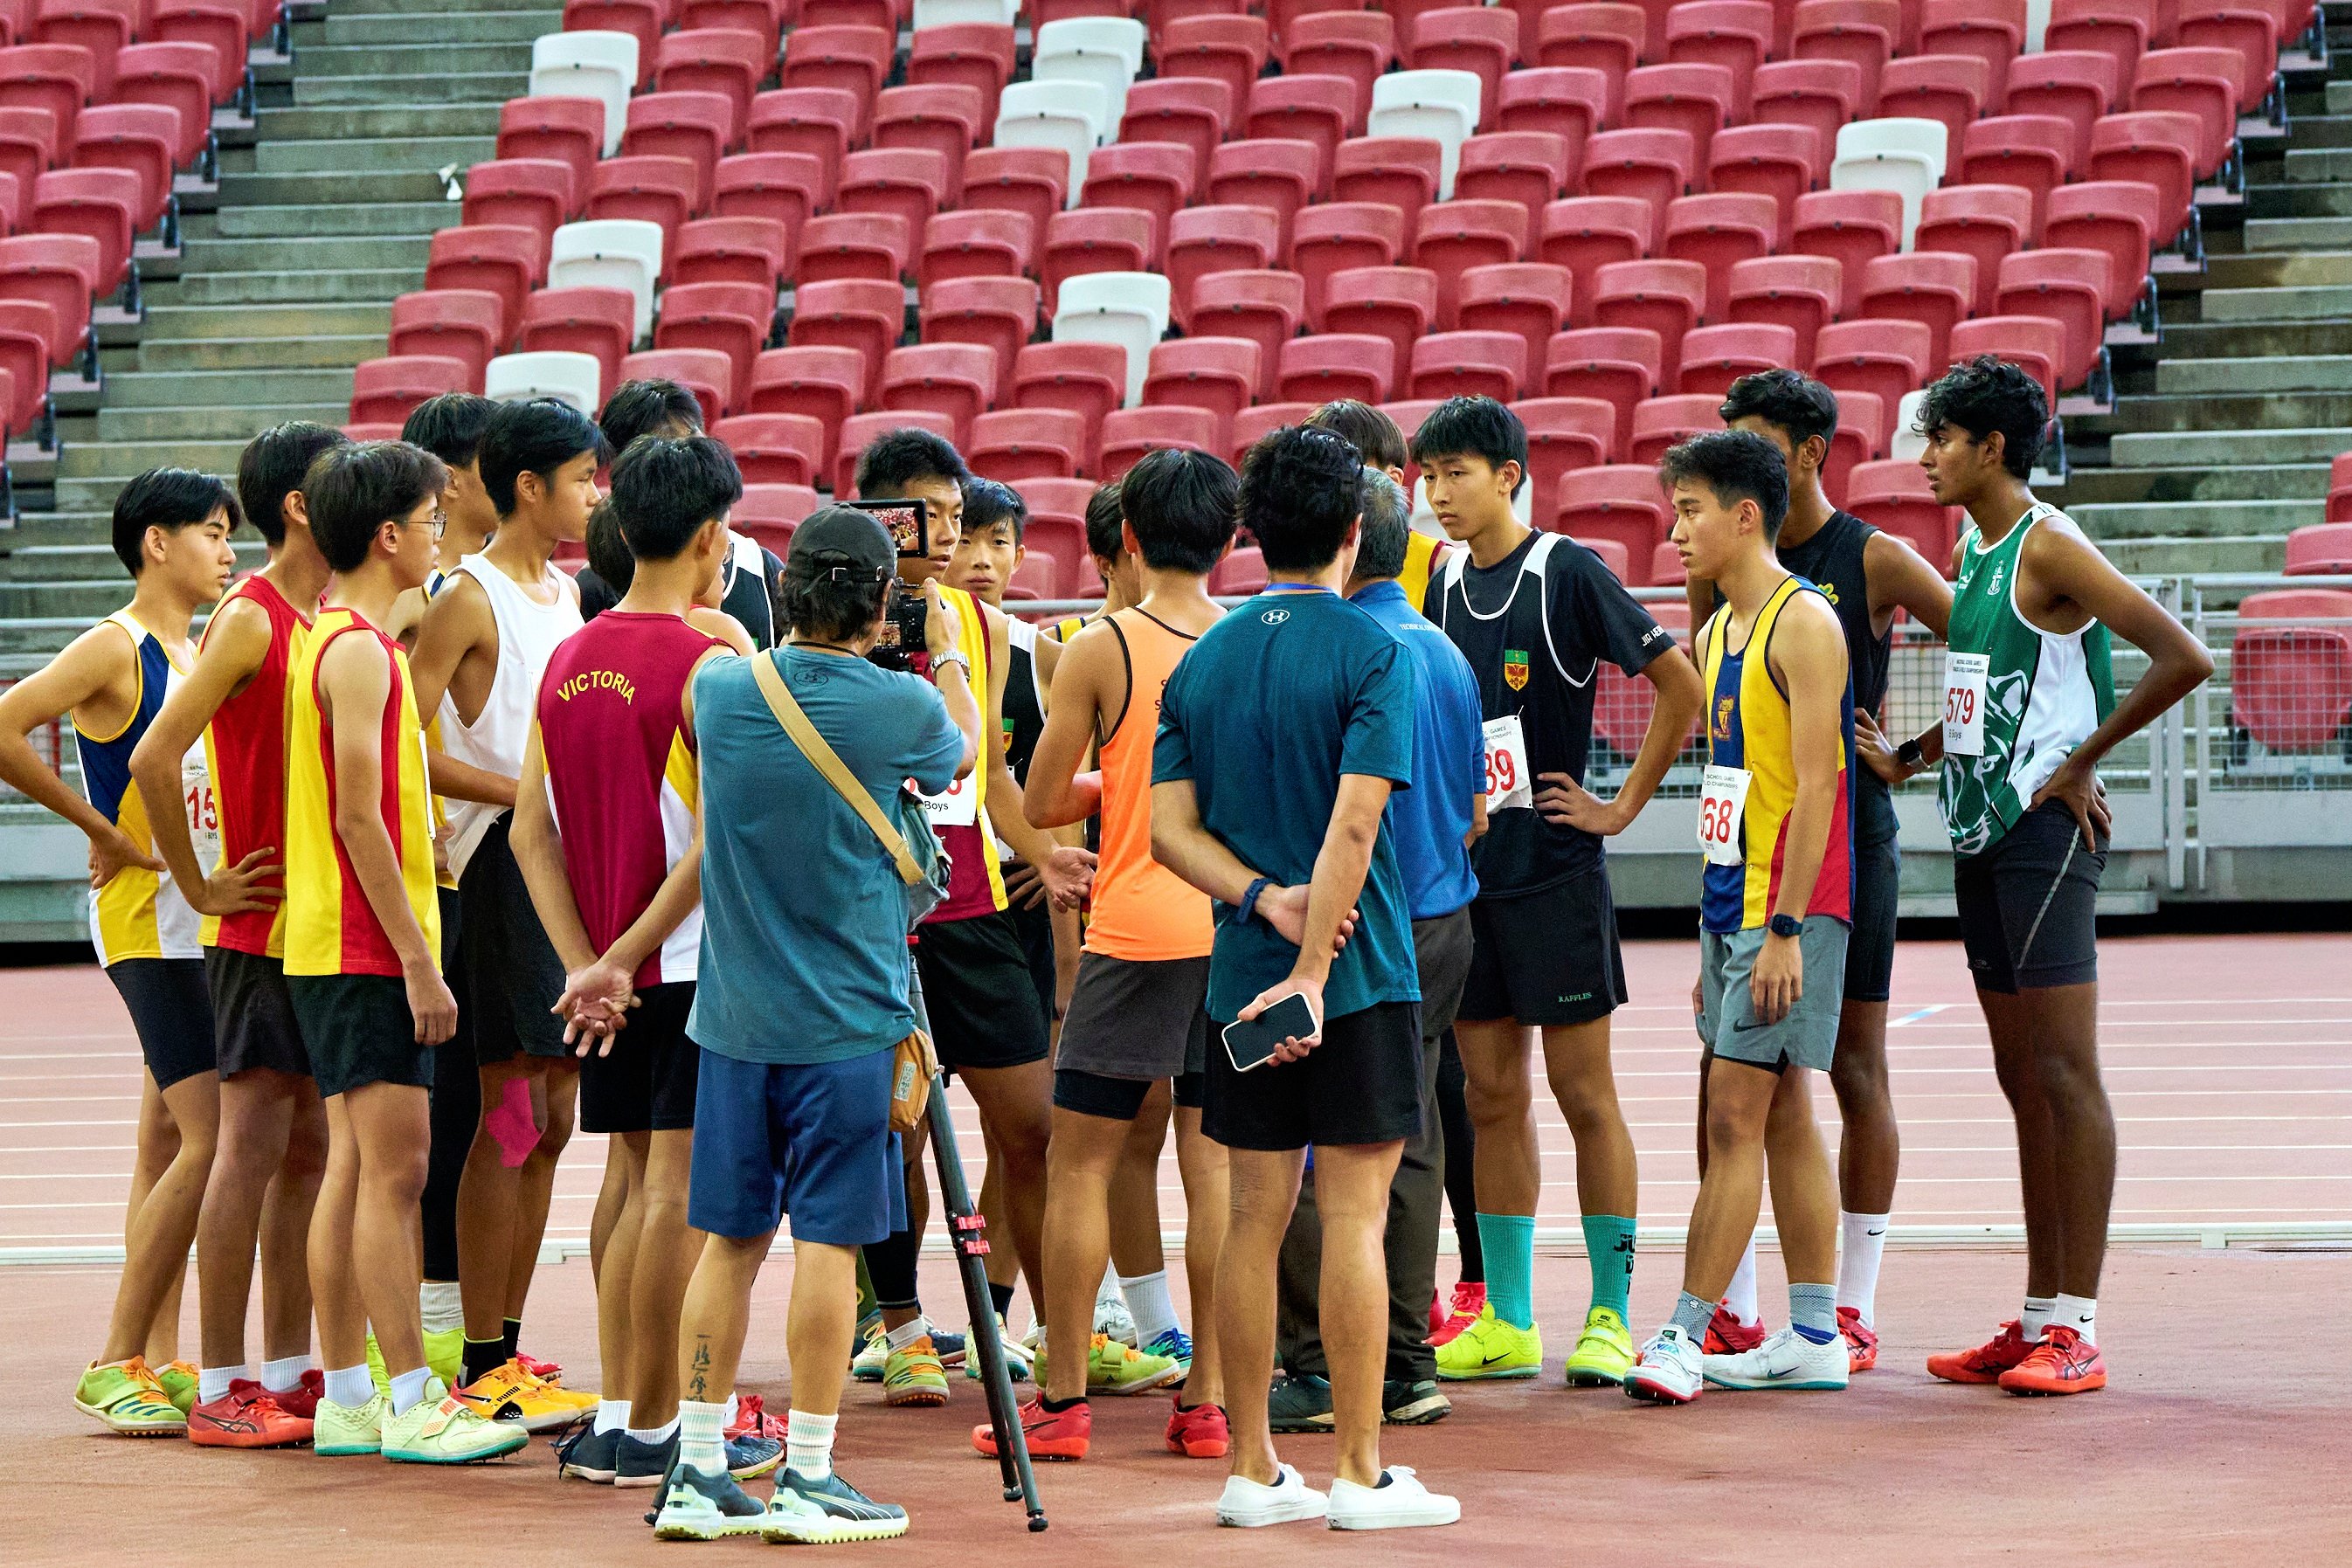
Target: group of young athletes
x=402, y=869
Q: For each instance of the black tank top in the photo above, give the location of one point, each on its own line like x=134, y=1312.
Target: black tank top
x=1024, y=719
x=1832, y=560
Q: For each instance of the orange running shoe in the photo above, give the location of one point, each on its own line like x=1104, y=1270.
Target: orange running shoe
x=752, y=1420
x=1200, y=1433
x=2064, y=1363
x=1987, y=1361
x=1469, y=1301
x=1051, y=1434
x=248, y=1417
x=1860, y=1343
x=1727, y=1336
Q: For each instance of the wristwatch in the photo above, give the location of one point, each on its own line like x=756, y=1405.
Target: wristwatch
x=1248, y=906
x=1910, y=756
x=1787, y=925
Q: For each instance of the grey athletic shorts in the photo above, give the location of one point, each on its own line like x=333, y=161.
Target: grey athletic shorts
x=1807, y=1035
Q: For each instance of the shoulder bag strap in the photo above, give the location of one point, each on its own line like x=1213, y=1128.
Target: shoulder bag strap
x=826, y=761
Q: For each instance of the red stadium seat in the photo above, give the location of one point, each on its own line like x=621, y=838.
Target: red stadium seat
x=1469, y=364
x=2291, y=686
x=2038, y=343
x=1819, y=94
x=498, y=258
x=1088, y=379
x=1621, y=504
x=1615, y=365
x=57, y=78
x=905, y=182
x=1952, y=88
x=732, y=318
x=977, y=242
x=824, y=381
x=1893, y=496
x=1127, y=433
x=998, y=313
x=28, y=144
x=2319, y=549
x=1013, y=444
x=690, y=125
x=1798, y=292
x=860, y=314
x=1453, y=236
x=1571, y=102
x=1339, y=236
x=1097, y=240
x=1242, y=571
x=1253, y=422
x=1696, y=99
x=569, y=131
x=1316, y=109
x=857, y=432
x=1029, y=180
x=1358, y=44
x=527, y=192
x=137, y=137
x=1993, y=33
x=1204, y=241
x=973, y=53
x=2245, y=30
x=1585, y=234
x=2073, y=85
x=2157, y=148
x=784, y=188
x=1852, y=228
x=2339, y=489
x=854, y=58
x=1155, y=177
x=1669, y=297
x=61, y=272
x=216, y=26
x=102, y=28
x=1861, y=435
x=2035, y=152
x=2068, y=286
x=1564, y=434
x=174, y=76
x=2200, y=83
x=1190, y=111
x=767, y=514
x=1264, y=307
x=760, y=17
x=732, y=250
x=953, y=379
x=1667, y=569
x=708, y=373
x=1062, y=500
x=1934, y=289
x=1529, y=298
x=1714, y=357
x=1779, y=161
x=27, y=326
x=1395, y=303
x=1861, y=31
x=1650, y=164
x=1528, y=167
x=1736, y=35
x=724, y=61
x=1717, y=231
x=1984, y=222
x=1334, y=365
x=2120, y=30
x=1229, y=50
x=1220, y=374
x=655, y=190
x=1400, y=171
x=870, y=247
x=1884, y=358
x=389, y=390
x=820, y=122
x=1604, y=38
x=641, y=20
x=1481, y=40
x=945, y=118
x=1281, y=176
x=585, y=320
x=2116, y=216
x=459, y=324
x=774, y=448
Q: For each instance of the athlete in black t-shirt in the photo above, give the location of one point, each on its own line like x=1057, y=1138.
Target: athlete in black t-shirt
x=1868, y=576
x=1535, y=614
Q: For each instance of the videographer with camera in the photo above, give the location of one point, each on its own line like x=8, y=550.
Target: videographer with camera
x=804, y=1001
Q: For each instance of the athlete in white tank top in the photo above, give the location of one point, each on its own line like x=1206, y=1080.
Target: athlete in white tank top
x=529, y=633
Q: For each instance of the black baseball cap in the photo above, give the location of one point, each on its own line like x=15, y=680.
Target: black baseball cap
x=846, y=531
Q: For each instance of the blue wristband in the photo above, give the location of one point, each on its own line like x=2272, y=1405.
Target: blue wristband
x=1249, y=900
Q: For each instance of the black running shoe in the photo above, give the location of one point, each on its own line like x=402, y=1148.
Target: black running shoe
x=696, y=1507
x=826, y=1513
x=585, y=1454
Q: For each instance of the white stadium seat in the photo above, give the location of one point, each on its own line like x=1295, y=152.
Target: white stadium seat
x=1105, y=50
x=1130, y=308
x=602, y=66
x=2037, y=24
x=1904, y=155
x=575, y=379
x=1440, y=106
x=1908, y=444
x=1069, y=116
x=610, y=253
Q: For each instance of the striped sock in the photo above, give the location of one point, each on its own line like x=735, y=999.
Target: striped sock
x=808, y=1444
x=702, y=1445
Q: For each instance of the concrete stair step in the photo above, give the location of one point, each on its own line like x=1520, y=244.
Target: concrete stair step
x=330, y=61
x=113, y=461
x=2251, y=482
x=374, y=285
x=2339, y=98
x=2267, y=268
x=451, y=85
x=427, y=153
x=2292, y=304
x=2169, y=449
x=2321, y=131
x=32, y=638
x=2317, y=165
x=327, y=219
x=2290, y=234
x=89, y=599
x=223, y=389
x=2182, y=378
x=402, y=8
x=353, y=185
x=233, y=422
x=469, y=26
x=2160, y=557
x=282, y=125
x=56, y=530
x=254, y=353
x=2240, y=340
x=2196, y=519
x=218, y=322
x=329, y=253
x=2226, y=410
x=2299, y=201
x=51, y=564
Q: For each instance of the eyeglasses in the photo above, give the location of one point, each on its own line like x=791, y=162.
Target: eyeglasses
x=439, y=521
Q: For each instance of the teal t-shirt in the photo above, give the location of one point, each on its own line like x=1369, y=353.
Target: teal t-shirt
x=803, y=917
x=1268, y=709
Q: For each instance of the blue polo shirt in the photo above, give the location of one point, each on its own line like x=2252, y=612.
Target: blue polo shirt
x=1429, y=821
x=1273, y=703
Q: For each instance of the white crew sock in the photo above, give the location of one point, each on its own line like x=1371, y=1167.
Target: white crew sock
x=1148, y=1304
x=2036, y=1317
x=910, y=1330
x=351, y=1387
x=442, y=1307
x=2080, y=1314
x=612, y=1414
x=1861, y=1238
x=1108, y=1289
x=212, y=1382
x=654, y=1437
x=408, y=1389
x=701, y=1441
x=285, y=1374
x=1741, y=1297
x=808, y=1444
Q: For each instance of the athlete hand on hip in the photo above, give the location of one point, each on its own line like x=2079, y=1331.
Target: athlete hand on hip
x=594, y=1005
x=1293, y=1047
x=1068, y=873
x=230, y=890
x=1285, y=909
x=1778, y=979
x=429, y=1001
x=1567, y=804
x=115, y=852
x=2078, y=787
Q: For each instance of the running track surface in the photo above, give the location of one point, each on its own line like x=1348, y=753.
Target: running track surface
x=2233, y=1086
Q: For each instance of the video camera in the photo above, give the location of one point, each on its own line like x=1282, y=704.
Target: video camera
x=906, y=634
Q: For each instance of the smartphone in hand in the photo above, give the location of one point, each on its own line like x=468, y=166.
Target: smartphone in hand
x=1254, y=1043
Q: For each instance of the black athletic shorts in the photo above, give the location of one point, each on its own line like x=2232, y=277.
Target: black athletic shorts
x=1035, y=927
x=253, y=1015
x=513, y=977
x=1361, y=1086
x=170, y=1012
x=362, y=1032
x=460, y=1045
x=1118, y=1099
x=1545, y=958
x=1870, y=948
x=985, y=1010
x=2029, y=905
x=648, y=1083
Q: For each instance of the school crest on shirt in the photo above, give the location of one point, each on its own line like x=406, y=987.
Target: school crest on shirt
x=1514, y=669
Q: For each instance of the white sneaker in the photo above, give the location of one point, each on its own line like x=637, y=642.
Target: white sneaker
x=1112, y=1318
x=1248, y=1504
x=1399, y=1502
x=1670, y=1371
x=1787, y=1360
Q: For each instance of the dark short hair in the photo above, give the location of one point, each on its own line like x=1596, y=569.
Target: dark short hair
x=1472, y=427
x=648, y=407
x=1105, y=517
x=537, y=436
x=825, y=594
x=352, y=491
x=1182, y=506
x=897, y=458
x=1369, y=431
x=449, y=426
x=987, y=502
x=1387, y=532
x=272, y=466
x=1986, y=394
x=665, y=489
x=1736, y=466
x=169, y=499
x=1790, y=401
x=1299, y=496
x=608, y=552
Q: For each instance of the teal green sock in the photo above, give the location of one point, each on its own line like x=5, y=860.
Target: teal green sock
x=1609, y=1241
x=1509, y=1242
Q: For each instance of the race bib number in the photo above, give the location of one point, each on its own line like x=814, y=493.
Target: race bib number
x=1964, y=700
x=203, y=808
x=1723, y=798
x=957, y=806
x=1508, y=784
